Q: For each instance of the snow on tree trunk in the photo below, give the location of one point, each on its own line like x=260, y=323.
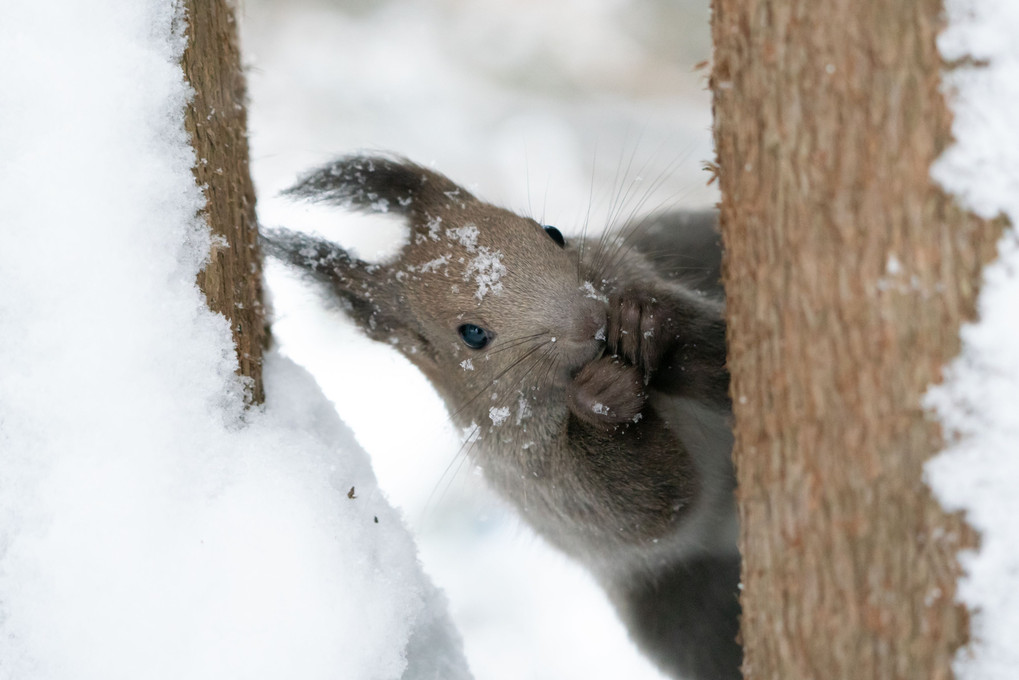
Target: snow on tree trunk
x=979, y=469
x=848, y=275
x=216, y=120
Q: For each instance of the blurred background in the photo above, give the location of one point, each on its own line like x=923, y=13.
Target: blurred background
x=552, y=109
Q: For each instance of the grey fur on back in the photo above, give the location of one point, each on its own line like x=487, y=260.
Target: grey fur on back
x=684, y=246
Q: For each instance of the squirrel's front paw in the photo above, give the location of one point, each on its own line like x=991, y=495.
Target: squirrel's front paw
x=636, y=329
x=607, y=393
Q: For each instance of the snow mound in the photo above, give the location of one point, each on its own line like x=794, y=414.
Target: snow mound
x=150, y=526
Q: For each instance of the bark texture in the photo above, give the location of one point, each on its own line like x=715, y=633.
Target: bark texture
x=848, y=275
x=217, y=123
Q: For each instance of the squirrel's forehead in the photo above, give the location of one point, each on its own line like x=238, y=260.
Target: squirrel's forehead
x=471, y=239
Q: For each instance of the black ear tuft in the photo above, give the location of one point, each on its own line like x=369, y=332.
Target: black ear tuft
x=360, y=287
x=378, y=184
x=322, y=259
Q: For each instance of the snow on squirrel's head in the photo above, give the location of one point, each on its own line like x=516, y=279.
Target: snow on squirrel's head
x=493, y=307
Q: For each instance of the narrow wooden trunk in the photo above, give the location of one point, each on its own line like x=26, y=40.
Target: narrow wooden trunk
x=217, y=122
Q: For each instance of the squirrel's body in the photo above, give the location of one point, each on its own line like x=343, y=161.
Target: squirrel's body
x=590, y=378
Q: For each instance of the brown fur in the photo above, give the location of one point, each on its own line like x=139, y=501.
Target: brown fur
x=600, y=402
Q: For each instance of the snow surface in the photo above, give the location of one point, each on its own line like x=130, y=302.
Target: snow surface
x=150, y=526
x=978, y=403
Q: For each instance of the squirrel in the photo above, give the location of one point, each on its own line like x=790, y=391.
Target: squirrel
x=591, y=376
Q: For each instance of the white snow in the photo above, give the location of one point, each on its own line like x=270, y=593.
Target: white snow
x=523, y=409
x=893, y=266
x=467, y=236
x=977, y=403
x=592, y=292
x=487, y=271
x=441, y=262
x=150, y=526
x=498, y=414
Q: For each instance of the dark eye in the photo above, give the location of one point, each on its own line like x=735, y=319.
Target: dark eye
x=556, y=235
x=473, y=336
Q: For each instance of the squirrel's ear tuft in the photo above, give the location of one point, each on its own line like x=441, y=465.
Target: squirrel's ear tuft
x=361, y=288
x=380, y=184
x=322, y=259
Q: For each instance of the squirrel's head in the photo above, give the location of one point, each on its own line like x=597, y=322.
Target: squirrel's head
x=491, y=306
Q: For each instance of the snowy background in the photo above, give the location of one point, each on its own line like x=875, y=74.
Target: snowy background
x=548, y=108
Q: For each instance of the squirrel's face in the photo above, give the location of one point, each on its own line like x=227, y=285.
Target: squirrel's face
x=491, y=306
x=499, y=301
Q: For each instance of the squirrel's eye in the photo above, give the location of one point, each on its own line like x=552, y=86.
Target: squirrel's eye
x=473, y=336
x=556, y=235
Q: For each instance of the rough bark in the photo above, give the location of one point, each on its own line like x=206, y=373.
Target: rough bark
x=848, y=275
x=217, y=123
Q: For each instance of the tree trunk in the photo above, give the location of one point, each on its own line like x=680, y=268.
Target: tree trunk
x=848, y=275
x=217, y=122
